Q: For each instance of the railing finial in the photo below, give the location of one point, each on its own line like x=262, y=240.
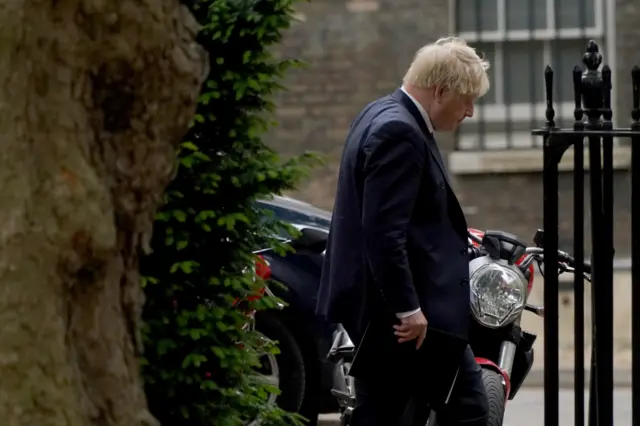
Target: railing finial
x=592, y=57
x=607, y=113
x=578, y=114
x=635, y=90
x=548, y=83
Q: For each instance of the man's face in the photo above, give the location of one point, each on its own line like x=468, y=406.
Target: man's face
x=450, y=109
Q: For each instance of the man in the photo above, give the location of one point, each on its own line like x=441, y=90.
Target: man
x=398, y=238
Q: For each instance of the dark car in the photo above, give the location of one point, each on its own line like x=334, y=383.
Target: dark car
x=301, y=369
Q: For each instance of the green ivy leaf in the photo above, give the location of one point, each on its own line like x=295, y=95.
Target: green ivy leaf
x=180, y=215
x=189, y=145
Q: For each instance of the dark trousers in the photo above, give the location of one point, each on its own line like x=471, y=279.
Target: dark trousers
x=386, y=403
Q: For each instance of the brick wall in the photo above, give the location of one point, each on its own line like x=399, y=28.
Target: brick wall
x=513, y=202
x=356, y=50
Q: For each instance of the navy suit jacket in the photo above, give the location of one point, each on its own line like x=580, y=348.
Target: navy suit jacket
x=398, y=237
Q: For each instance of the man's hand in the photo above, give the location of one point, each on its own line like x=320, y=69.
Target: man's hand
x=412, y=327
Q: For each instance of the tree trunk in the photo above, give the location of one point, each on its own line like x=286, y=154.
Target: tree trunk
x=94, y=98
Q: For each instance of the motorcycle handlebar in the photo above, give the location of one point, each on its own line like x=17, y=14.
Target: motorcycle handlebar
x=475, y=252
x=473, y=237
x=571, y=261
x=562, y=256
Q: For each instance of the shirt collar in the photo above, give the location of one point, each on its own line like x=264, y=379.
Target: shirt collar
x=424, y=114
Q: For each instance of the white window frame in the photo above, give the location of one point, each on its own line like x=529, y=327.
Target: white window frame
x=498, y=141
x=498, y=111
x=549, y=33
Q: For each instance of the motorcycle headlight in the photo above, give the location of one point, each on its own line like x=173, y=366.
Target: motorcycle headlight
x=498, y=294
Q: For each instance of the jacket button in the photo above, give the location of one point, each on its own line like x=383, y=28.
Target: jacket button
x=464, y=282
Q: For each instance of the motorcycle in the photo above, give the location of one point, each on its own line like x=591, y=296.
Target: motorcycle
x=501, y=271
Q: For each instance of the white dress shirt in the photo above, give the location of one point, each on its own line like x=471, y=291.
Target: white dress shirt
x=421, y=109
x=430, y=127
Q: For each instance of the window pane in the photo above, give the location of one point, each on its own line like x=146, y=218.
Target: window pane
x=523, y=71
x=476, y=15
x=566, y=54
x=526, y=14
x=488, y=51
x=575, y=13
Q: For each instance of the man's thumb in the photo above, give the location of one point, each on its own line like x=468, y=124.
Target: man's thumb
x=420, y=340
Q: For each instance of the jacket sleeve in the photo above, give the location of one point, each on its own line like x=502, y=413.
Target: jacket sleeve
x=392, y=175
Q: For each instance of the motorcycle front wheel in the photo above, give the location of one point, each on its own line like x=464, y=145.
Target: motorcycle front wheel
x=496, y=396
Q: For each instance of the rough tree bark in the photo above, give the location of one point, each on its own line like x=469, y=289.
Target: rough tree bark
x=94, y=97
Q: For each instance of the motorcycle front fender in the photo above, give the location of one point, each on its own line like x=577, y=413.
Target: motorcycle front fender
x=487, y=363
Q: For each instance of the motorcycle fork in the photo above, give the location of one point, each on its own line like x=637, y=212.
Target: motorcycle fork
x=506, y=359
x=507, y=356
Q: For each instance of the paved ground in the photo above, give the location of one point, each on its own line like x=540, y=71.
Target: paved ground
x=527, y=409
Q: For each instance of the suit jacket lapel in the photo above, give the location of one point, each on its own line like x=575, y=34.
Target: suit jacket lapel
x=400, y=96
x=437, y=155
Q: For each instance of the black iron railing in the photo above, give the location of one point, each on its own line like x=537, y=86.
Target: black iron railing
x=592, y=123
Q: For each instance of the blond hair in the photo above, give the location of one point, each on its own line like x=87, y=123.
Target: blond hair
x=451, y=63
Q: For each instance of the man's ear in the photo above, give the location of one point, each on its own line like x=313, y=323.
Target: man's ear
x=440, y=92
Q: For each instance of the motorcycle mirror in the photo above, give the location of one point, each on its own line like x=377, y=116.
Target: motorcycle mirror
x=491, y=246
x=538, y=238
